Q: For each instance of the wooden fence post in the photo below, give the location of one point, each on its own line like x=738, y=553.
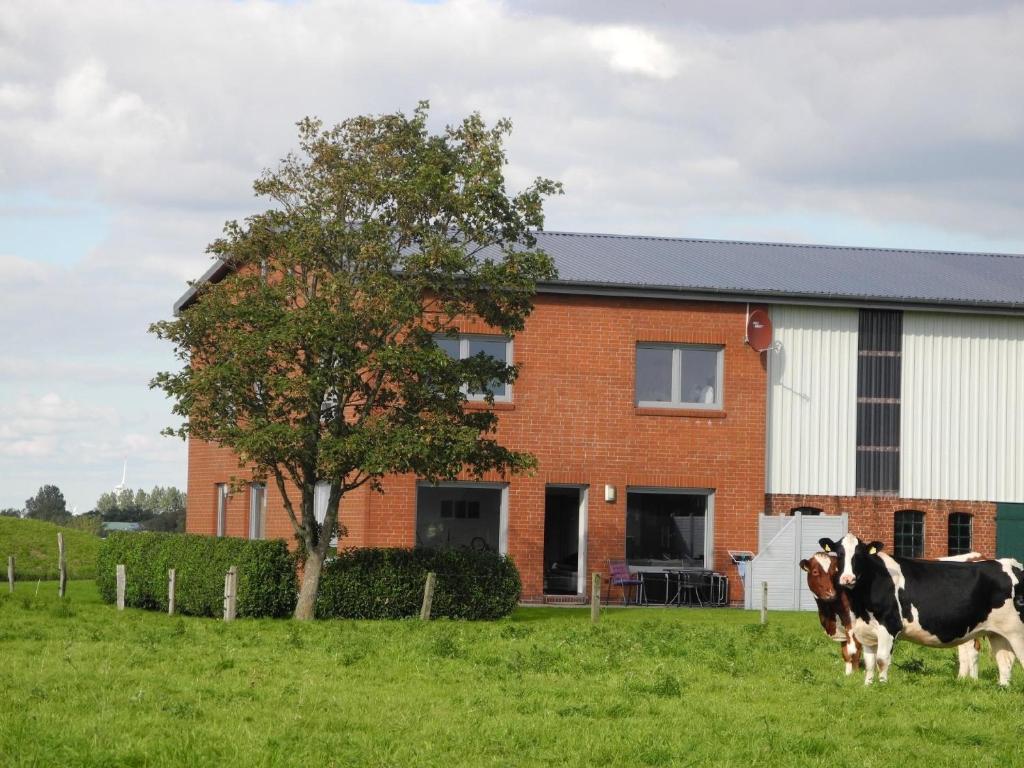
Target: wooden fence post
x=595, y=598
x=171, y=579
x=122, y=579
x=10, y=573
x=231, y=593
x=62, y=565
x=764, y=602
x=428, y=596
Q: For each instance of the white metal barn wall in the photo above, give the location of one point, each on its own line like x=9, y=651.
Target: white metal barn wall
x=812, y=402
x=782, y=543
x=962, y=420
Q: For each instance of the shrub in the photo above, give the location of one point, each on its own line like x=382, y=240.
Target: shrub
x=388, y=584
x=266, y=573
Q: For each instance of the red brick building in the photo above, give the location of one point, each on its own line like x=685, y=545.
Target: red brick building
x=661, y=435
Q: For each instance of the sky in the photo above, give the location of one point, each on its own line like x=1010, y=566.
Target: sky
x=130, y=132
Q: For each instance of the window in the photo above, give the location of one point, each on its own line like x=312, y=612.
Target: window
x=257, y=510
x=222, y=507
x=879, y=369
x=666, y=528
x=321, y=498
x=805, y=511
x=497, y=347
x=678, y=376
x=461, y=516
x=908, y=534
x=959, y=533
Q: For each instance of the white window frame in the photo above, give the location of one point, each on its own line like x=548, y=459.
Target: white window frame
x=261, y=515
x=709, y=514
x=677, y=376
x=464, y=340
x=223, y=492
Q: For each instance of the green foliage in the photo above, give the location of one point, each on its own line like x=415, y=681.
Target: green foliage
x=89, y=522
x=48, y=504
x=314, y=357
x=388, y=584
x=11, y=512
x=266, y=573
x=162, y=509
x=34, y=546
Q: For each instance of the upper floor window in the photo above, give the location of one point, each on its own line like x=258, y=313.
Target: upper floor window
x=679, y=376
x=908, y=534
x=498, y=347
x=959, y=533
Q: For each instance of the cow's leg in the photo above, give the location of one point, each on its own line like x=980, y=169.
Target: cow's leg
x=869, y=664
x=1003, y=652
x=968, y=655
x=851, y=653
x=883, y=654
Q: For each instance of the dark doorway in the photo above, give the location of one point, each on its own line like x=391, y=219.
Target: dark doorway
x=1010, y=530
x=561, y=541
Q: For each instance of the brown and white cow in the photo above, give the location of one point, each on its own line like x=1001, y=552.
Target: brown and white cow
x=834, y=611
x=836, y=614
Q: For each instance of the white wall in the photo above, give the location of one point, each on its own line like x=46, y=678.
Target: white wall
x=812, y=408
x=962, y=415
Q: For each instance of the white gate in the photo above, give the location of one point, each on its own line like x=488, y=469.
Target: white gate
x=782, y=543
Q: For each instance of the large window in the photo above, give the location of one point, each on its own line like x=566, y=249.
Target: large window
x=959, y=533
x=222, y=507
x=257, y=510
x=464, y=347
x=879, y=365
x=461, y=516
x=666, y=528
x=678, y=376
x=908, y=534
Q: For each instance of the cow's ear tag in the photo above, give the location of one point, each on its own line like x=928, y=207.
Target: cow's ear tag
x=828, y=548
x=873, y=551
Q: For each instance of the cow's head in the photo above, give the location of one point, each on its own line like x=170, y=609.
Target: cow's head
x=821, y=569
x=852, y=554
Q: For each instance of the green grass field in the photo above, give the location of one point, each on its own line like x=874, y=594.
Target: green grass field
x=81, y=684
x=34, y=546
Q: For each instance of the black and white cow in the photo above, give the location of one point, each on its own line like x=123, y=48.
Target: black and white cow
x=929, y=602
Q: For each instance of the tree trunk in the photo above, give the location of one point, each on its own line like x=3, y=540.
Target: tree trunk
x=305, y=608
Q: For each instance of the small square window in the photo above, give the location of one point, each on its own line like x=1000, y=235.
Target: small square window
x=908, y=534
x=959, y=539
x=679, y=376
x=496, y=347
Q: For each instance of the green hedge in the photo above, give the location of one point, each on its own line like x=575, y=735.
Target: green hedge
x=388, y=584
x=266, y=573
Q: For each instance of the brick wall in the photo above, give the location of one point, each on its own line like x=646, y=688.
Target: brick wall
x=573, y=407
x=872, y=517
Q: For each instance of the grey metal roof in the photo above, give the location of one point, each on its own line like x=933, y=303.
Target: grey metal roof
x=820, y=272
x=739, y=271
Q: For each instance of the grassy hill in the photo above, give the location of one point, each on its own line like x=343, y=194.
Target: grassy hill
x=34, y=546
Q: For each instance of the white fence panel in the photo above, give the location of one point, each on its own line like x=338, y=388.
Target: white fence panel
x=783, y=543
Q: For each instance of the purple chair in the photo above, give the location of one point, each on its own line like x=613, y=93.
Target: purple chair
x=619, y=576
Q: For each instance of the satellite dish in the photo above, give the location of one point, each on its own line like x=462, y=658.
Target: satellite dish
x=759, y=330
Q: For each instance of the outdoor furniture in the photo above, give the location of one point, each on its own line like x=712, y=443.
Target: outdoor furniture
x=619, y=576
x=683, y=586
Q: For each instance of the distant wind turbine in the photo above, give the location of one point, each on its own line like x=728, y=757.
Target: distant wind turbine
x=124, y=479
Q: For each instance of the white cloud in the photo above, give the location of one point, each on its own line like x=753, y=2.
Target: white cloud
x=635, y=51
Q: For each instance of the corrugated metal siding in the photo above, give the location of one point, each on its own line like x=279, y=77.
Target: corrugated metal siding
x=963, y=407
x=812, y=402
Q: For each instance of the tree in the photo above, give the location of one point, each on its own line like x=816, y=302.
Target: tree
x=162, y=509
x=315, y=357
x=10, y=512
x=48, y=504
